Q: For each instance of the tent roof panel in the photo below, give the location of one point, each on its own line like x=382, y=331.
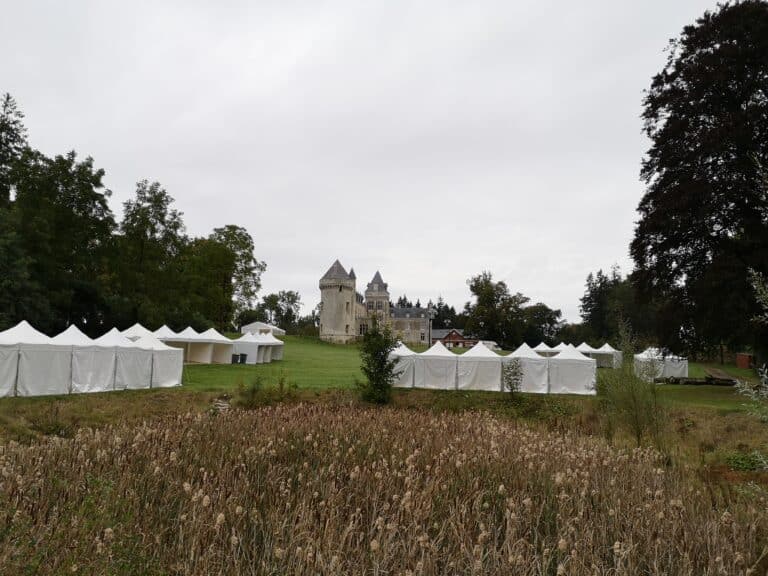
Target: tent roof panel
x=136, y=331
x=72, y=336
x=403, y=350
x=23, y=333
x=525, y=351
x=152, y=343
x=479, y=350
x=113, y=338
x=570, y=353
x=438, y=349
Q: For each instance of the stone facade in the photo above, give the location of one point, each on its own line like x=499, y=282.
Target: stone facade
x=345, y=314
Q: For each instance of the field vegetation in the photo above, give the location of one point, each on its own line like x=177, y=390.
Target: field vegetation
x=310, y=489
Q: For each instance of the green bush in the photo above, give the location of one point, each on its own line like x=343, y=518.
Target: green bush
x=631, y=401
x=512, y=375
x=377, y=367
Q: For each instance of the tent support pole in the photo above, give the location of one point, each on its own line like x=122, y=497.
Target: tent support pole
x=114, y=373
x=151, y=368
x=18, y=363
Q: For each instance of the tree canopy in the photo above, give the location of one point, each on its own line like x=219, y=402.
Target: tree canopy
x=704, y=216
x=64, y=259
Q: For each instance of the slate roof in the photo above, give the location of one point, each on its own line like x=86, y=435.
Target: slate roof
x=408, y=312
x=336, y=272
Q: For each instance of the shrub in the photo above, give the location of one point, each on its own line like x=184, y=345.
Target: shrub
x=512, y=375
x=377, y=366
x=255, y=394
x=631, y=400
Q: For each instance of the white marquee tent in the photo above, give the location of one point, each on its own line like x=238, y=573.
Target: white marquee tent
x=405, y=367
x=195, y=349
x=276, y=346
x=651, y=363
x=44, y=367
x=222, y=347
x=133, y=365
x=479, y=369
x=11, y=341
x=535, y=369
x=560, y=347
x=570, y=372
x=262, y=328
x=136, y=331
x=608, y=357
x=167, y=362
x=436, y=368
x=93, y=366
x=249, y=345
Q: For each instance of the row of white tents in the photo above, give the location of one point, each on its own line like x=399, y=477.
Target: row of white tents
x=606, y=356
x=212, y=347
x=566, y=372
x=33, y=364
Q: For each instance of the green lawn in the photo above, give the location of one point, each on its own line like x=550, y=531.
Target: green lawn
x=719, y=397
x=307, y=363
x=312, y=364
x=697, y=370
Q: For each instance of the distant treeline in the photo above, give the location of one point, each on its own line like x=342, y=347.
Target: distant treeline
x=65, y=259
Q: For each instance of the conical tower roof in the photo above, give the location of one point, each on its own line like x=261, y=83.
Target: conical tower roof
x=377, y=284
x=336, y=272
x=352, y=273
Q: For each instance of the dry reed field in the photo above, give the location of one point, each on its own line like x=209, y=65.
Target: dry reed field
x=314, y=489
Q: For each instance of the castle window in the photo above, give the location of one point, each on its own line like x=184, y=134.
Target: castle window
x=370, y=305
x=347, y=307
x=379, y=305
x=422, y=336
x=340, y=288
x=346, y=329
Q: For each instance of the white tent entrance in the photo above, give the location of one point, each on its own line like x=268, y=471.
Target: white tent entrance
x=479, y=369
x=535, y=369
x=570, y=372
x=436, y=368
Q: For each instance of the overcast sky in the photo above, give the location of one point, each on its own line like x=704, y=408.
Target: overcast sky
x=430, y=140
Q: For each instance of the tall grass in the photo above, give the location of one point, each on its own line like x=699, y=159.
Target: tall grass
x=312, y=489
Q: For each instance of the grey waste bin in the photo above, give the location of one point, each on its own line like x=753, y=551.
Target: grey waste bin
x=235, y=358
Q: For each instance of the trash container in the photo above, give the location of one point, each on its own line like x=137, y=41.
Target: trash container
x=235, y=358
x=243, y=358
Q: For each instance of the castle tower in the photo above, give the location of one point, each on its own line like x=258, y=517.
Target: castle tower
x=377, y=298
x=337, y=305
